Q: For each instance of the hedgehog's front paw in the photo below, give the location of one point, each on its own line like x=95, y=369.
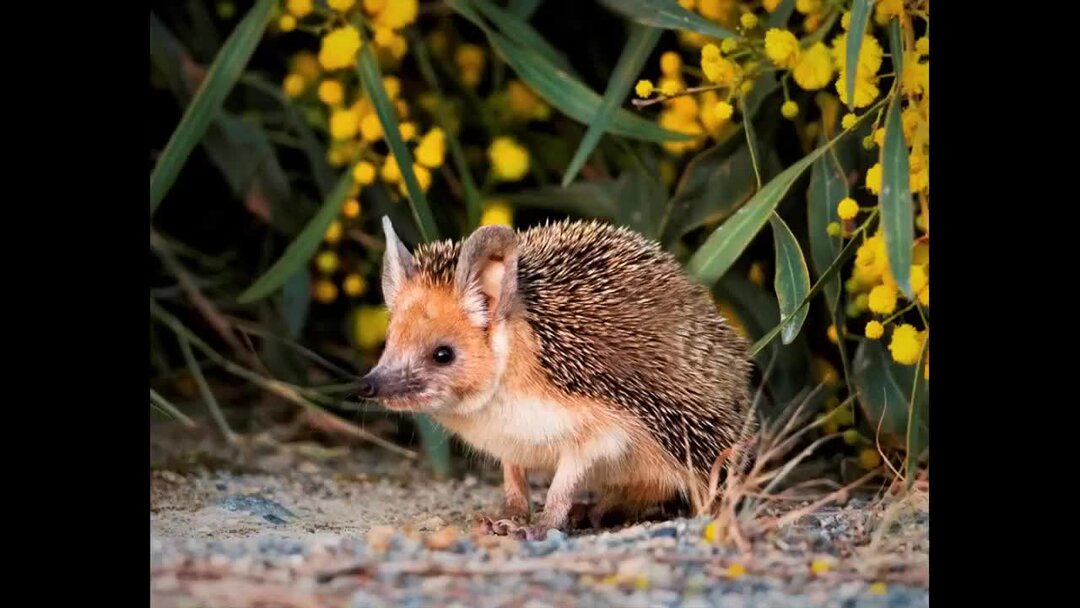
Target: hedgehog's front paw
x=499, y=525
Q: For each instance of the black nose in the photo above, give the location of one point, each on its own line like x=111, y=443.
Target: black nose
x=367, y=388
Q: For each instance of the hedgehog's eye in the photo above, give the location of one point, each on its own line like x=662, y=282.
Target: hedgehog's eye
x=443, y=355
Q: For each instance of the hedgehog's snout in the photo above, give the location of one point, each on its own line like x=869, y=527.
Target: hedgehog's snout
x=368, y=388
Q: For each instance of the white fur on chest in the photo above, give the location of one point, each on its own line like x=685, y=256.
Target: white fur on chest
x=523, y=430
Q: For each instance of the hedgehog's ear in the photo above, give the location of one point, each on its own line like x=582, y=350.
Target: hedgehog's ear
x=398, y=264
x=487, y=274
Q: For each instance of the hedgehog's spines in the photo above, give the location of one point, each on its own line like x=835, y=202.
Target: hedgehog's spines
x=617, y=320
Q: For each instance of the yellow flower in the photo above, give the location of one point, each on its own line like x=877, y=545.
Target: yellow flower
x=371, y=128
x=845, y=20
x=748, y=20
x=423, y=178
x=866, y=89
x=847, y=209
x=879, y=137
x=873, y=178
x=782, y=47
x=883, y=299
x=369, y=326
x=326, y=262
x=407, y=130
x=832, y=334
x=524, y=103
x=720, y=71
x=870, y=55
x=364, y=173
x=431, y=151
x=670, y=64
x=339, y=48
x=396, y=14
x=509, y=160
x=384, y=37
x=814, y=69
x=711, y=530
x=869, y=458
x=325, y=291
x=643, y=88
x=824, y=372
x=913, y=77
x=728, y=45
x=833, y=229
x=340, y=5
x=862, y=302
x=736, y=570
x=922, y=46
x=373, y=7
x=808, y=6
x=905, y=345
x=926, y=369
x=294, y=85
x=918, y=278
x=848, y=120
x=390, y=171
x=354, y=285
x=710, y=52
x=686, y=107
x=497, y=213
x=333, y=232
x=924, y=296
x=687, y=4
x=851, y=437
x=770, y=5
x=287, y=23
x=343, y=124
x=819, y=566
x=331, y=92
x=299, y=8
x=878, y=588
x=884, y=9
x=305, y=64
x=874, y=330
x=670, y=86
x=398, y=47
x=351, y=208
x=469, y=59
x=392, y=86
x=723, y=110
x=789, y=109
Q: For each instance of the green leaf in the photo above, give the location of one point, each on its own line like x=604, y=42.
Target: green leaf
x=884, y=389
x=303, y=247
x=860, y=15
x=436, y=445
x=639, y=45
x=517, y=28
x=713, y=185
x=896, y=214
x=522, y=9
x=780, y=16
x=296, y=300
x=640, y=199
x=668, y=15
x=201, y=112
x=371, y=77
x=564, y=92
x=731, y=238
x=831, y=272
x=917, y=440
x=792, y=280
x=827, y=187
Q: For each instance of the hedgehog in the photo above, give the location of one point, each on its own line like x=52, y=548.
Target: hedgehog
x=579, y=349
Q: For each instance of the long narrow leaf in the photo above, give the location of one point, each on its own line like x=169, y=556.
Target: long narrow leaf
x=860, y=15
x=792, y=280
x=522, y=9
x=303, y=247
x=639, y=45
x=827, y=188
x=220, y=78
x=731, y=238
x=667, y=15
x=518, y=29
x=564, y=92
x=368, y=67
x=895, y=200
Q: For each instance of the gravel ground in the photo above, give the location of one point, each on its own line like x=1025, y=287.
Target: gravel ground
x=299, y=525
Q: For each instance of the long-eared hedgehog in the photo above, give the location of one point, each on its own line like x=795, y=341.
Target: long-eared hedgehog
x=574, y=347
